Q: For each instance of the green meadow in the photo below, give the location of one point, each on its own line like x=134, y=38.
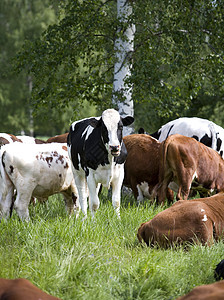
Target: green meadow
x=100, y=258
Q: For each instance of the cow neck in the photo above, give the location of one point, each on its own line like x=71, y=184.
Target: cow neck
x=95, y=151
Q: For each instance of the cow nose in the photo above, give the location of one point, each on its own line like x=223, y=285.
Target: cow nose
x=114, y=150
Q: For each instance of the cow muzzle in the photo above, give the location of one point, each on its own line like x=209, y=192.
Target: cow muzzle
x=115, y=150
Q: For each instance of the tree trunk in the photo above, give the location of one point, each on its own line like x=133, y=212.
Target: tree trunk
x=30, y=86
x=122, y=94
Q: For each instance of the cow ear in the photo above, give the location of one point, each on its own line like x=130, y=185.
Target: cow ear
x=127, y=120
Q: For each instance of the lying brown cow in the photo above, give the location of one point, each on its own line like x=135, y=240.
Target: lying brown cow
x=141, y=168
x=61, y=138
x=21, y=289
x=184, y=159
x=186, y=221
x=214, y=291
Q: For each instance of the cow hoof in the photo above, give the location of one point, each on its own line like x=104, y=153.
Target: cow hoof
x=83, y=219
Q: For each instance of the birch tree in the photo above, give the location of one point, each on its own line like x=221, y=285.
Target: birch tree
x=124, y=46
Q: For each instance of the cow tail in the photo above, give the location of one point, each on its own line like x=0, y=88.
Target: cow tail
x=2, y=165
x=162, y=161
x=3, y=173
x=4, y=176
x=213, y=135
x=163, y=154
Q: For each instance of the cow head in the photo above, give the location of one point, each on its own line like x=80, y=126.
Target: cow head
x=112, y=130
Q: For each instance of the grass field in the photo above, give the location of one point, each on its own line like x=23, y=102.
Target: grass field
x=102, y=259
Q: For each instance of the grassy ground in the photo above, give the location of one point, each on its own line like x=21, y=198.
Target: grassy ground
x=101, y=259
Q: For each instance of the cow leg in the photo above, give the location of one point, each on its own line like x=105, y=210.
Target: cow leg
x=184, y=185
x=6, y=199
x=140, y=196
x=135, y=189
x=82, y=188
x=6, y=194
x=116, y=189
x=24, y=194
x=94, y=201
x=116, y=196
x=21, y=206
x=162, y=188
x=71, y=204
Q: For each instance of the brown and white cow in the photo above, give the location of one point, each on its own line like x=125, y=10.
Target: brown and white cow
x=61, y=138
x=213, y=291
x=35, y=170
x=141, y=167
x=22, y=289
x=6, y=138
x=30, y=139
x=186, y=221
x=184, y=159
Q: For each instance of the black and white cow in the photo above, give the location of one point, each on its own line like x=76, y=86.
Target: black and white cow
x=202, y=130
x=97, y=153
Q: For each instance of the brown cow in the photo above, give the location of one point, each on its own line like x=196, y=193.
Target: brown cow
x=61, y=138
x=21, y=289
x=186, y=221
x=142, y=165
x=184, y=159
x=213, y=291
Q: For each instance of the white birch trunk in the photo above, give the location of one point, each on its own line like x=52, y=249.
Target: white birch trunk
x=123, y=47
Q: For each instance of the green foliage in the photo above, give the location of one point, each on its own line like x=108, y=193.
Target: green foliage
x=67, y=49
x=100, y=259
x=70, y=63
x=179, y=59
x=178, y=54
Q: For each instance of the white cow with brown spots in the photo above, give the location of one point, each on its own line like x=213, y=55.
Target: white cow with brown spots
x=34, y=170
x=30, y=139
x=6, y=138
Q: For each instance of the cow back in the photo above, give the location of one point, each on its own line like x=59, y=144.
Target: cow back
x=6, y=138
x=87, y=149
x=213, y=291
x=180, y=152
x=61, y=138
x=142, y=159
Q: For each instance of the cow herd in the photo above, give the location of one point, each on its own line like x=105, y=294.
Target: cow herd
x=183, y=155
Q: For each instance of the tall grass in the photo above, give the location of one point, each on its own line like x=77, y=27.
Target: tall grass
x=100, y=259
